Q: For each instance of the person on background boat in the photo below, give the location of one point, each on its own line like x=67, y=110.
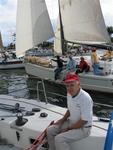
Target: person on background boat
x=83, y=66
x=71, y=65
x=14, y=56
x=5, y=56
x=108, y=55
x=77, y=122
x=95, y=63
x=59, y=68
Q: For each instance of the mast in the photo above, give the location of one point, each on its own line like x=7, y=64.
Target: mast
x=1, y=43
x=63, y=42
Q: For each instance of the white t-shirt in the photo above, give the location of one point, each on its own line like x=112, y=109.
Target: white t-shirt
x=80, y=107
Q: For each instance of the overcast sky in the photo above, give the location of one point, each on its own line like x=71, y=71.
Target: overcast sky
x=8, y=16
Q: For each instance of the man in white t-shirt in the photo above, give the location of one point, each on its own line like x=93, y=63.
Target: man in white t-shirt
x=77, y=121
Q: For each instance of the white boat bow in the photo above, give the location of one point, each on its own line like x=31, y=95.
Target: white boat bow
x=22, y=136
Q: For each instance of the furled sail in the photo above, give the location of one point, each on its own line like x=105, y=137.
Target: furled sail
x=57, y=41
x=33, y=25
x=83, y=21
x=1, y=44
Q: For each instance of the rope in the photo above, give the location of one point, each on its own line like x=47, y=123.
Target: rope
x=39, y=139
x=100, y=127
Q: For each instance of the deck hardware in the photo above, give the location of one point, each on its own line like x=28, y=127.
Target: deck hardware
x=43, y=114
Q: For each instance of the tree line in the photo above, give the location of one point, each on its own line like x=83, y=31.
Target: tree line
x=110, y=32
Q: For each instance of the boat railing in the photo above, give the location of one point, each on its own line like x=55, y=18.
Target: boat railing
x=44, y=91
x=43, y=85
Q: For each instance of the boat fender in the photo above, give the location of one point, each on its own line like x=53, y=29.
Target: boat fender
x=35, y=109
x=43, y=114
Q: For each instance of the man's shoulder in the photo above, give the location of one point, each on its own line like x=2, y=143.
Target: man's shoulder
x=85, y=94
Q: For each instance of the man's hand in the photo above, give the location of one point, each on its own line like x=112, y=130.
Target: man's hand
x=59, y=122
x=65, y=130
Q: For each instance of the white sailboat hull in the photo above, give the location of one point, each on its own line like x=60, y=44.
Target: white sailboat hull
x=12, y=64
x=97, y=83
x=39, y=71
x=21, y=136
x=89, y=81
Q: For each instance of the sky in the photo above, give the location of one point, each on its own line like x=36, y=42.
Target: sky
x=8, y=16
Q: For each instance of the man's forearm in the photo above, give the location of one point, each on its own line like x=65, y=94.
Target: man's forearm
x=53, y=59
x=67, y=114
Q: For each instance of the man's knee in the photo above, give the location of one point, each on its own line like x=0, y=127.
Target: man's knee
x=52, y=130
x=59, y=139
x=49, y=130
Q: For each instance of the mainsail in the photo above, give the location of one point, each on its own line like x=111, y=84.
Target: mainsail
x=1, y=44
x=83, y=21
x=33, y=25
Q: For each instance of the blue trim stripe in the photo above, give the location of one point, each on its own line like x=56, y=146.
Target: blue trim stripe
x=109, y=137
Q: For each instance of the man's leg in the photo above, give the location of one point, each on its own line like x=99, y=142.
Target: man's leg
x=56, y=73
x=52, y=131
x=63, y=140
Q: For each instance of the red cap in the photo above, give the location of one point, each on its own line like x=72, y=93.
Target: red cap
x=71, y=77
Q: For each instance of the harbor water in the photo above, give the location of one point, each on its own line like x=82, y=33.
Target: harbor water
x=17, y=83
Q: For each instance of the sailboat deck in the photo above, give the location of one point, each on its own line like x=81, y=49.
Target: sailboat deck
x=9, y=147
x=36, y=124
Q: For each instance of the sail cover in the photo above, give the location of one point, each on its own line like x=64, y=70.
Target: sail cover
x=83, y=21
x=33, y=25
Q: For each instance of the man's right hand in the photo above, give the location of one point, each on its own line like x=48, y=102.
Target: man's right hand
x=59, y=122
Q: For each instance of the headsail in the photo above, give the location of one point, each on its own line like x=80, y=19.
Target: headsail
x=1, y=43
x=33, y=24
x=83, y=21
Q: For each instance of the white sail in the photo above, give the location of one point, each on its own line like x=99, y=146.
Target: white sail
x=83, y=21
x=33, y=24
x=57, y=41
x=1, y=43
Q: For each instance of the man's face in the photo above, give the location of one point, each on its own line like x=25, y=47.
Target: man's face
x=73, y=87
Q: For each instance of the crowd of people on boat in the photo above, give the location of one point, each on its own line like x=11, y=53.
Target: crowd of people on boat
x=70, y=64
x=79, y=50
x=5, y=55
x=39, y=51
x=84, y=65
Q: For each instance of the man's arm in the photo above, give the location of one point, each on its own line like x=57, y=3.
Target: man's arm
x=78, y=125
x=62, y=120
x=67, y=114
x=54, y=60
x=64, y=60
